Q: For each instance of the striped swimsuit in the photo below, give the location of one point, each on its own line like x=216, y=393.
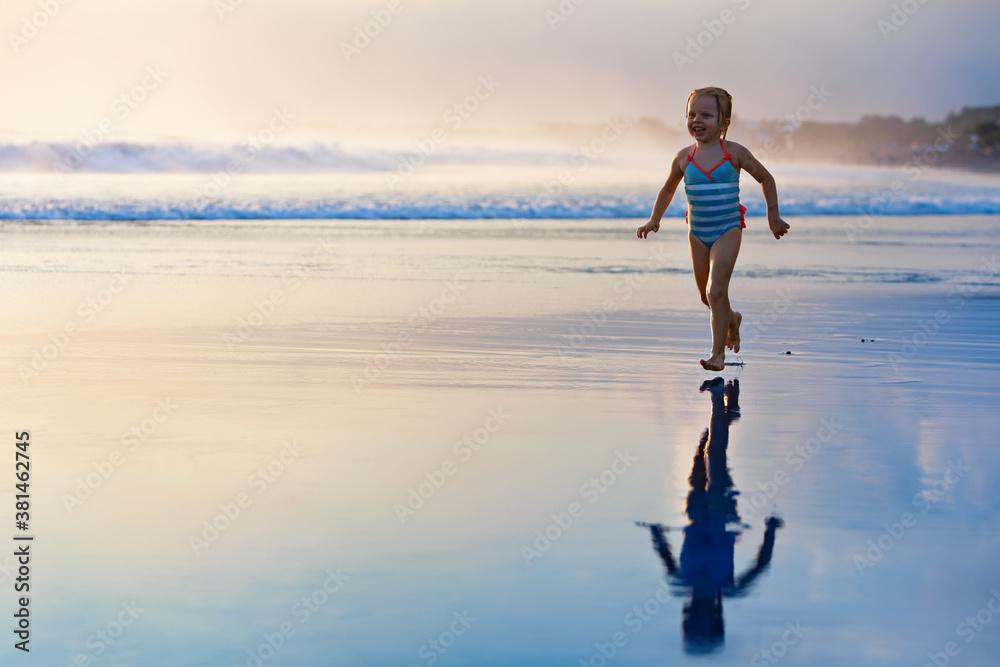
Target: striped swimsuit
x=713, y=201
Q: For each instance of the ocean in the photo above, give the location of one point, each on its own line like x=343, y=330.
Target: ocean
x=180, y=182
x=310, y=419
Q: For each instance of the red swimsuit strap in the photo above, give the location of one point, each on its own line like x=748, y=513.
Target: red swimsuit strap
x=708, y=173
x=723, y=147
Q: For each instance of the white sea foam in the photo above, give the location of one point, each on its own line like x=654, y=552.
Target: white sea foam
x=121, y=181
x=594, y=206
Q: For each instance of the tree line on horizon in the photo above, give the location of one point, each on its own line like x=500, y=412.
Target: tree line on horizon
x=969, y=138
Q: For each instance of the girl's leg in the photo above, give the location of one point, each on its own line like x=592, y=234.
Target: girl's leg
x=700, y=256
x=722, y=259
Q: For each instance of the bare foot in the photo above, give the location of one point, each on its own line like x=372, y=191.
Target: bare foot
x=733, y=336
x=732, y=393
x=716, y=362
x=715, y=385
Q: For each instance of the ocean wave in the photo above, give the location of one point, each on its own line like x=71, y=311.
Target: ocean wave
x=469, y=207
x=123, y=157
x=117, y=157
x=123, y=181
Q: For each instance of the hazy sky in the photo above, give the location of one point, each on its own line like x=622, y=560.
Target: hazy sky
x=222, y=72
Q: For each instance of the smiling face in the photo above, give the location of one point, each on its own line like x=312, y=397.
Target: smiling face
x=703, y=119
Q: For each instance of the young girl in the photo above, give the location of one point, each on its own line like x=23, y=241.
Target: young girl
x=714, y=211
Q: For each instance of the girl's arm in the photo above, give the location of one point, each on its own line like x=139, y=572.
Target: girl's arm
x=663, y=198
x=743, y=582
x=663, y=549
x=746, y=161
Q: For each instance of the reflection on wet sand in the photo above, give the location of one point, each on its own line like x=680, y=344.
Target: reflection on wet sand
x=706, y=572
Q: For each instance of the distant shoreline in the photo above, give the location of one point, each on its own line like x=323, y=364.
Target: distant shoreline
x=975, y=165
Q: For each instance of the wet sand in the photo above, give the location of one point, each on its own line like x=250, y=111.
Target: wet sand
x=392, y=443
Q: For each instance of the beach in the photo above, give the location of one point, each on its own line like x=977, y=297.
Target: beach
x=329, y=338
x=374, y=442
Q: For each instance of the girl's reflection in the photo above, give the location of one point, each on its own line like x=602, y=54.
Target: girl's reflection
x=706, y=570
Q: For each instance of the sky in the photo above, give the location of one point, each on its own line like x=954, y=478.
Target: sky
x=213, y=70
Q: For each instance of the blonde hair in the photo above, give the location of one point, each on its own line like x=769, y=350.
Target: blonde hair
x=723, y=102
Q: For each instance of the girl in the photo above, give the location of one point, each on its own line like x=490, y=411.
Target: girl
x=714, y=211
